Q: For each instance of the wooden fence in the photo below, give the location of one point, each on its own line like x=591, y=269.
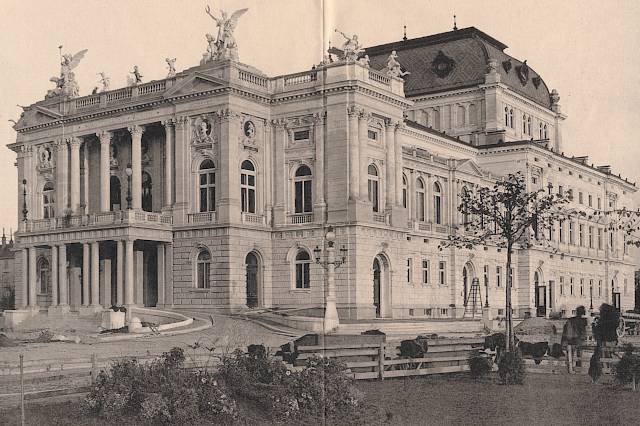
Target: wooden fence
x=371, y=360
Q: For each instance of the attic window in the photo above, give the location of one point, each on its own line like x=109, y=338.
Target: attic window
x=301, y=135
x=570, y=173
x=372, y=134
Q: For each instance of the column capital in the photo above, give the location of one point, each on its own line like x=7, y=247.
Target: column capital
x=74, y=142
x=169, y=122
x=319, y=118
x=136, y=130
x=181, y=122
x=279, y=122
x=227, y=114
x=104, y=136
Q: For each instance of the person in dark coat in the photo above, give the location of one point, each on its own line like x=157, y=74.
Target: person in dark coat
x=573, y=336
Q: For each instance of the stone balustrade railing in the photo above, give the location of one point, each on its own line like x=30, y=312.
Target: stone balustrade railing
x=379, y=77
x=202, y=217
x=301, y=218
x=256, y=219
x=152, y=87
x=96, y=219
x=258, y=80
x=300, y=78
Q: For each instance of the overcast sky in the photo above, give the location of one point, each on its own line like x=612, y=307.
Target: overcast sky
x=586, y=49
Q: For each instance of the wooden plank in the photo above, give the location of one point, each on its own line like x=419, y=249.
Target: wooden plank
x=426, y=371
x=343, y=353
x=362, y=364
x=424, y=360
x=367, y=375
x=334, y=347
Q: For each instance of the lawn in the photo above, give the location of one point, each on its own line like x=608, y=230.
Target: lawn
x=439, y=400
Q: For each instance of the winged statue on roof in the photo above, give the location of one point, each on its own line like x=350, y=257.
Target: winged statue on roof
x=225, y=46
x=66, y=84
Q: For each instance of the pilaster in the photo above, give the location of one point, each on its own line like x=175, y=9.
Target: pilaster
x=168, y=163
x=62, y=176
x=136, y=166
x=279, y=172
x=105, y=172
x=182, y=155
x=74, y=146
x=229, y=200
x=320, y=205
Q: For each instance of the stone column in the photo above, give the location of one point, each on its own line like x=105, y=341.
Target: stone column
x=54, y=276
x=138, y=277
x=62, y=277
x=136, y=166
x=33, y=291
x=279, y=173
x=128, y=275
x=95, y=274
x=119, y=272
x=168, y=296
x=105, y=172
x=182, y=156
x=229, y=184
x=363, y=126
x=74, y=144
x=354, y=155
x=105, y=286
x=168, y=163
x=86, y=274
x=25, y=279
x=161, y=275
x=390, y=142
x=85, y=180
x=268, y=166
x=319, y=178
x=62, y=176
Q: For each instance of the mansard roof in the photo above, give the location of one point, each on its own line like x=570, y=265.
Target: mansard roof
x=470, y=50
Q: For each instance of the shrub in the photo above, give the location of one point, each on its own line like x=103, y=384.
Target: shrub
x=160, y=392
x=479, y=365
x=628, y=369
x=555, y=315
x=8, y=300
x=511, y=368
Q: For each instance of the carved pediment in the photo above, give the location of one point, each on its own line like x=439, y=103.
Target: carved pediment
x=35, y=116
x=469, y=166
x=197, y=83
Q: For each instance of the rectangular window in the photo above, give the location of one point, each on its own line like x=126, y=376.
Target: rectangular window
x=486, y=276
x=572, y=238
x=611, y=240
x=599, y=238
x=425, y=272
x=560, y=190
x=599, y=203
x=561, y=231
x=591, y=237
x=442, y=273
x=571, y=286
x=599, y=288
x=511, y=277
x=590, y=201
x=580, y=200
x=373, y=194
x=581, y=235
x=581, y=287
x=301, y=135
x=409, y=270
x=561, y=286
x=498, y=276
x=302, y=275
x=372, y=134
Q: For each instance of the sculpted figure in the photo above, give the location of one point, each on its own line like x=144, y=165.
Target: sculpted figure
x=226, y=43
x=137, y=77
x=393, y=66
x=66, y=84
x=171, y=63
x=365, y=61
x=105, y=81
x=351, y=48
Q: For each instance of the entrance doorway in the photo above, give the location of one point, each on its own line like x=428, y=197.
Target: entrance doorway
x=147, y=200
x=115, y=191
x=252, y=264
x=541, y=296
x=376, y=287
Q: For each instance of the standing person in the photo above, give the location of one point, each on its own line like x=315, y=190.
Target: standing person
x=573, y=336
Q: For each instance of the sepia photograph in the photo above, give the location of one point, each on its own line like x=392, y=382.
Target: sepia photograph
x=319, y=212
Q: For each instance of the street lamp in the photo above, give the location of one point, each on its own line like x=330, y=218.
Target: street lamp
x=24, y=200
x=330, y=264
x=591, y=295
x=129, y=172
x=486, y=291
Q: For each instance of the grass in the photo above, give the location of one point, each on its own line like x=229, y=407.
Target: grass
x=436, y=400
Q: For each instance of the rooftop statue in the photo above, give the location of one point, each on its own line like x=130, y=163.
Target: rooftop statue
x=66, y=84
x=351, y=48
x=136, y=79
x=105, y=81
x=171, y=63
x=224, y=47
x=393, y=66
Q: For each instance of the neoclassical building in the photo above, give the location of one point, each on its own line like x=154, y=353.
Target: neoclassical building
x=210, y=189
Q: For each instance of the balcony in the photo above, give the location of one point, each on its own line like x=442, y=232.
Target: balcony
x=301, y=218
x=121, y=217
x=202, y=217
x=253, y=219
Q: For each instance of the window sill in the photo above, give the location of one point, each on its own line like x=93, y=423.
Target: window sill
x=300, y=290
x=199, y=290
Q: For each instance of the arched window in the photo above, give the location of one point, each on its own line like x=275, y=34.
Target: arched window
x=48, y=201
x=404, y=191
x=437, y=203
x=373, y=187
x=248, y=187
x=541, y=133
x=302, y=190
x=460, y=116
x=44, y=276
x=511, y=118
x=203, y=268
x=524, y=124
x=303, y=261
x=544, y=133
x=207, y=184
x=420, y=200
x=529, y=126
x=506, y=116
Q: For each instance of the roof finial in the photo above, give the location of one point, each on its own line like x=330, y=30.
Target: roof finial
x=455, y=25
x=405, y=33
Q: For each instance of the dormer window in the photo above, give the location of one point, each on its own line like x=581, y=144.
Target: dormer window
x=301, y=135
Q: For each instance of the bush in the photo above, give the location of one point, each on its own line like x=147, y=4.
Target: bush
x=479, y=365
x=628, y=369
x=555, y=315
x=160, y=392
x=511, y=368
x=8, y=300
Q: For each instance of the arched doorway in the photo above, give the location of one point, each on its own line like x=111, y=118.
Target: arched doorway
x=376, y=286
x=540, y=295
x=252, y=267
x=115, y=191
x=147, y=200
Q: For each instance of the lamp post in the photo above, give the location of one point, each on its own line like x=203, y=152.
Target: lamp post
x=129, y=172
x=591, y=296
x=24, y=200
x=330, y=264
x=486, y=292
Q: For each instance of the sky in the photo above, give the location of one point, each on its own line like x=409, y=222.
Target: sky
x=585, y=49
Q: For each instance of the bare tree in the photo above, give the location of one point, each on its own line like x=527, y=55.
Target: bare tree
x=509, y=216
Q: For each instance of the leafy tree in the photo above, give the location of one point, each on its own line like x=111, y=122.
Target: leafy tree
x=510, y=216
